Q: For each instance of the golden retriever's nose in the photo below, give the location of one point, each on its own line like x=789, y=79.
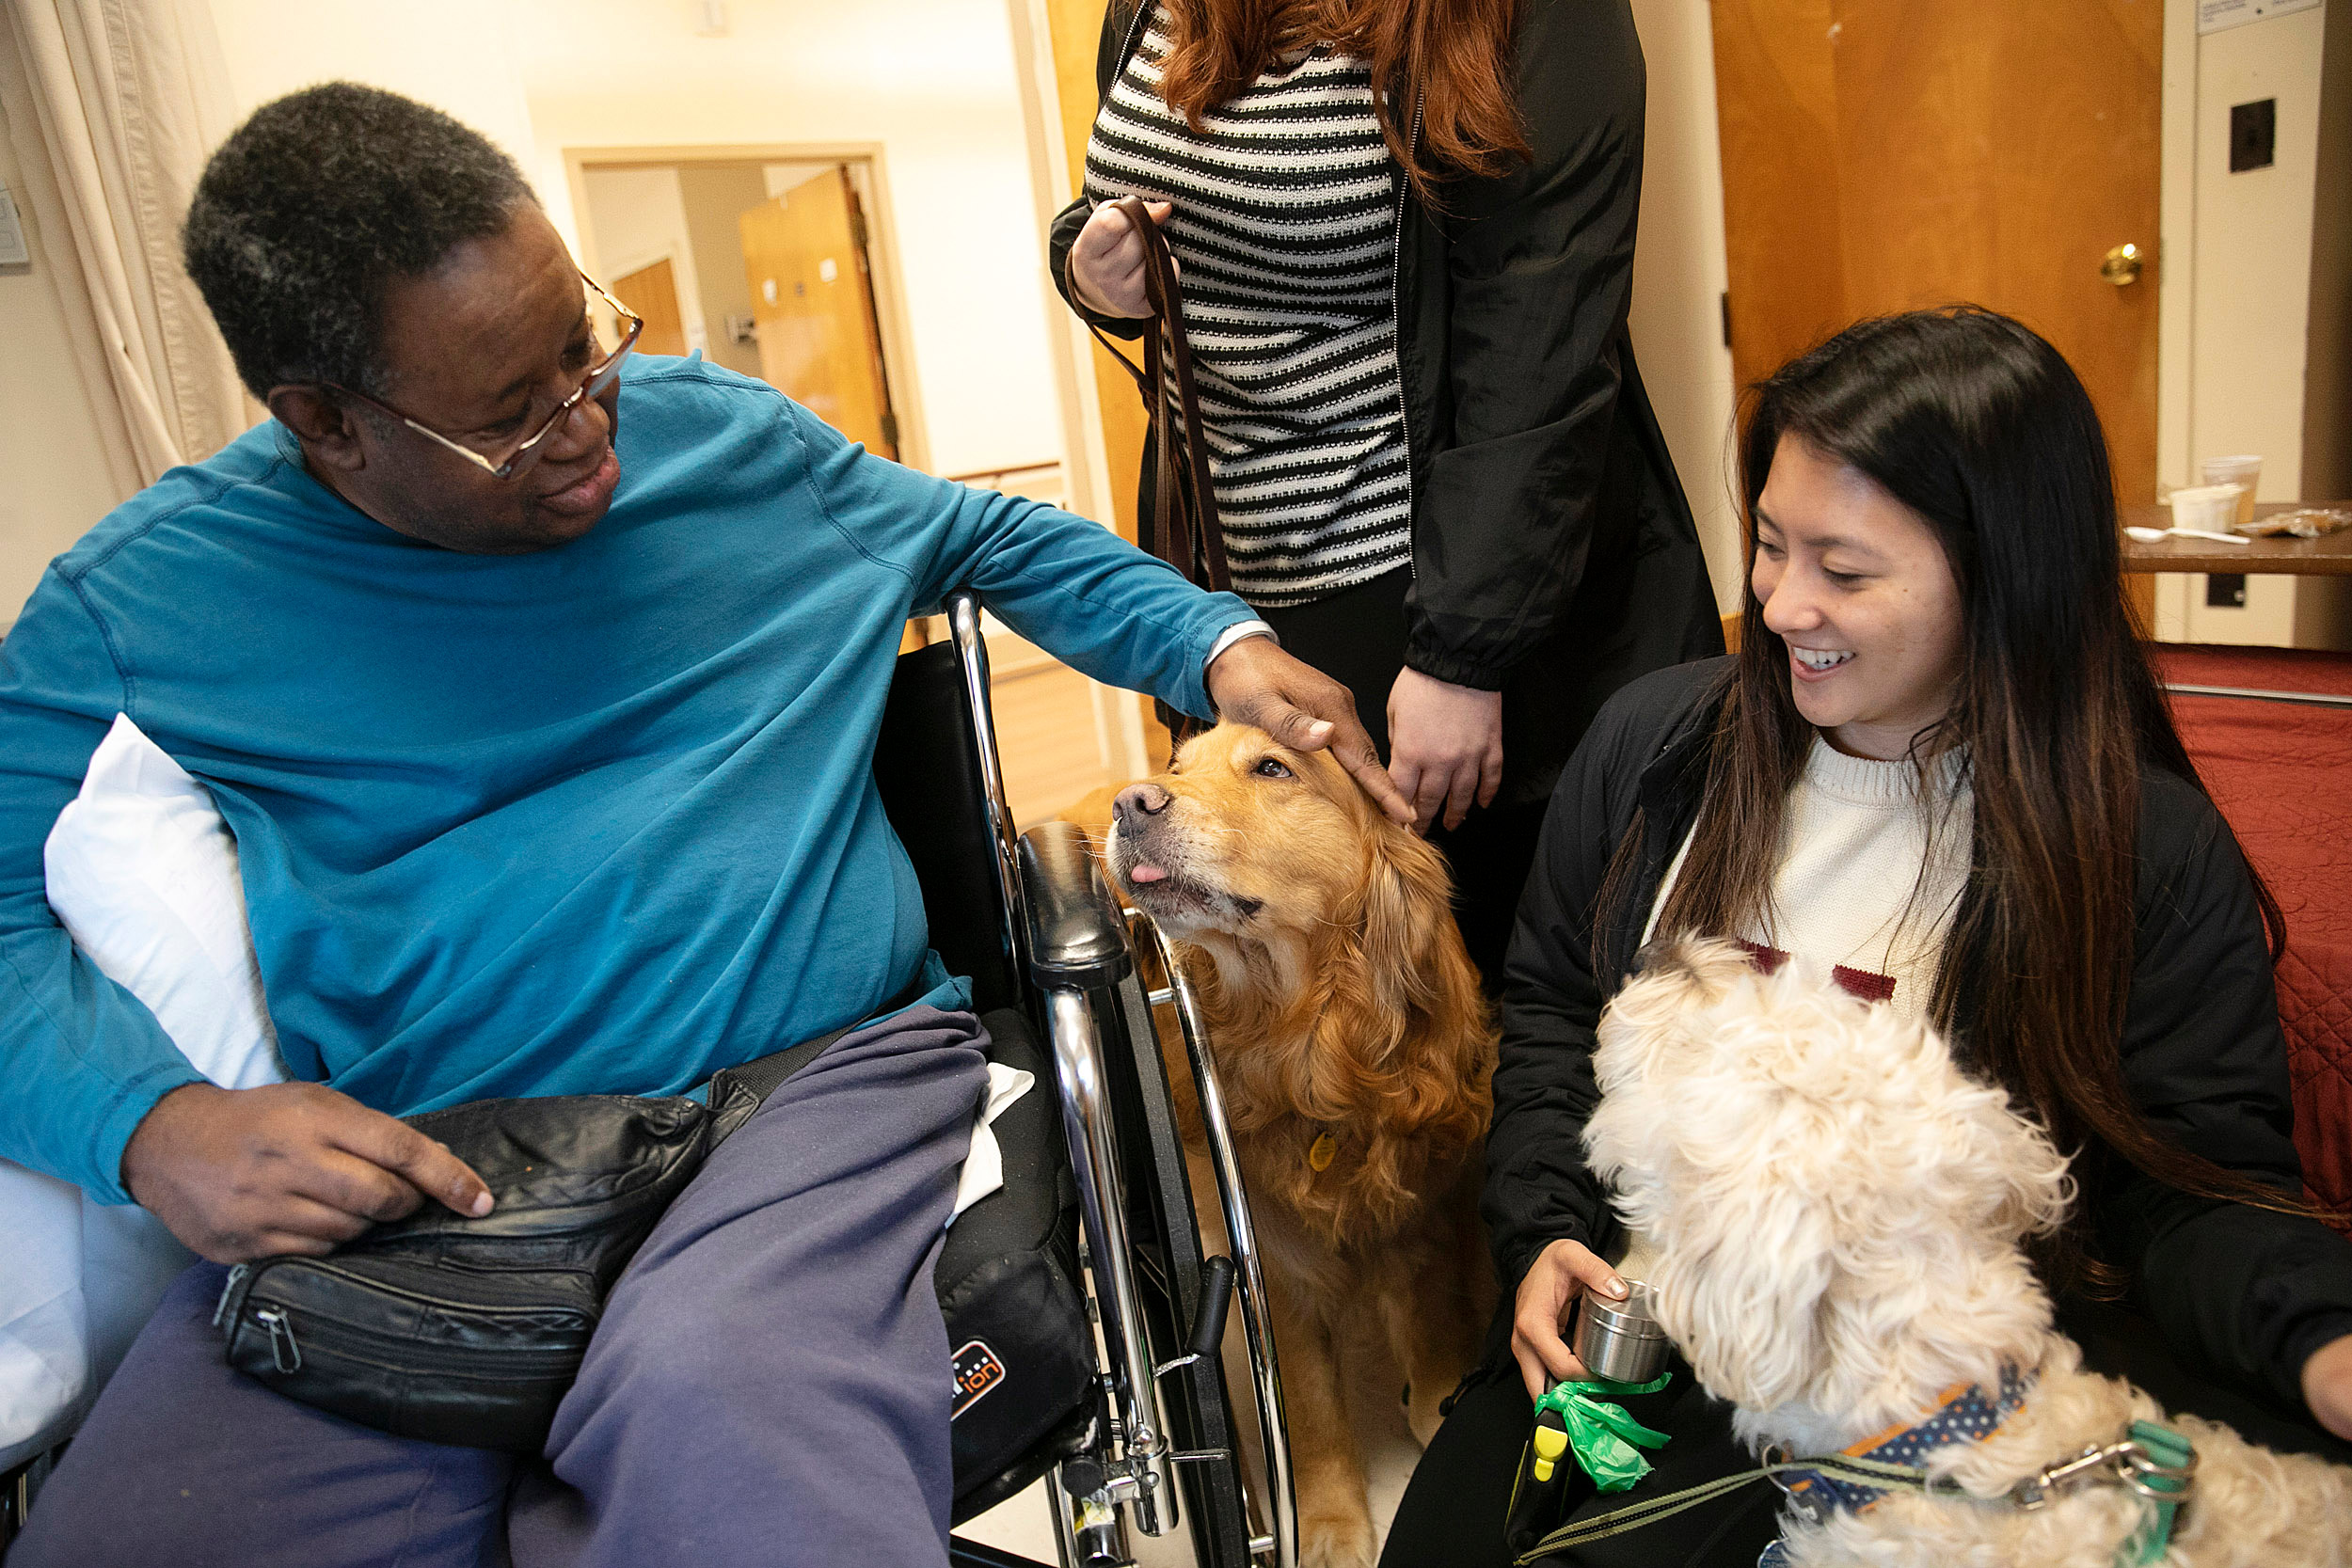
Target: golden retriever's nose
x=1138, y=799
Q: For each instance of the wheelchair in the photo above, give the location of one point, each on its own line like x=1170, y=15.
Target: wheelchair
x=1088, y=1266
x=1084, y=1318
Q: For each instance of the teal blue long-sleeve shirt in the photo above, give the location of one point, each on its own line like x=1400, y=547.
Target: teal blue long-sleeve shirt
x=599, y=819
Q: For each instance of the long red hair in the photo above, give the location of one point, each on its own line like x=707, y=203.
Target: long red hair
x=1450, y=62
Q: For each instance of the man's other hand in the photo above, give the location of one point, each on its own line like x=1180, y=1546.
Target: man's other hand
x=239, y=1174
x=1255, y=682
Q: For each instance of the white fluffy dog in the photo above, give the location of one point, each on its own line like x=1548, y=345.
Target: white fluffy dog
x=1831, y=1214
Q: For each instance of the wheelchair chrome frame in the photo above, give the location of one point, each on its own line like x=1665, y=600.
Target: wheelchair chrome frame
x=963, y=628
x=1091, y=1528
x=1241, y=1239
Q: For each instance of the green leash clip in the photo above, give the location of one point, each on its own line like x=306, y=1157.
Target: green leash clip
x=1607, y=1440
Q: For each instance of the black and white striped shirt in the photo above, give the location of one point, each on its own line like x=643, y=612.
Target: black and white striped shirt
x=1286, y=227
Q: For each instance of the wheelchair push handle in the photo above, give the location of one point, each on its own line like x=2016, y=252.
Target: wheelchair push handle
x=1208, y=1327
x=1217, y=1294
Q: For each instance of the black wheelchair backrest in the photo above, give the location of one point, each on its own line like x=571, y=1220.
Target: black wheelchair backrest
x=928, y=768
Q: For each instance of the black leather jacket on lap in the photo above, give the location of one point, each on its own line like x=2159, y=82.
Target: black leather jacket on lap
x=1554, y=557
x=2248, y=1293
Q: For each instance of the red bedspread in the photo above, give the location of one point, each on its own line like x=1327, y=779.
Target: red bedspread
x=2283, y=774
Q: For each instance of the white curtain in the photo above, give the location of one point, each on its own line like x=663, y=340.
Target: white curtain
x=114, y=107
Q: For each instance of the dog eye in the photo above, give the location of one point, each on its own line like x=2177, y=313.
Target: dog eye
x=1269, y=769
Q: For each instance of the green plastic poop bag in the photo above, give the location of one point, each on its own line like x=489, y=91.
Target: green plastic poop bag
x=1607, y=1441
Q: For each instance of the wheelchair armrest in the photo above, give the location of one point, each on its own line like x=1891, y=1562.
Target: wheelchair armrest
x=1076, y=935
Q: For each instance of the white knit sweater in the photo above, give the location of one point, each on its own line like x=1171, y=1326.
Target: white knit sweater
x=1870, y=874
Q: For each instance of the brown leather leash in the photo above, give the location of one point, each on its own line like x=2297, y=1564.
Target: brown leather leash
x=1185, y=532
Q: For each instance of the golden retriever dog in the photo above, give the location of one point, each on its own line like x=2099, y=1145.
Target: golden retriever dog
x=1354, y=1046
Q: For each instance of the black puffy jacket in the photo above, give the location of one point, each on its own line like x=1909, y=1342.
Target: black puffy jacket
x=1554, y=558
x=2249, y=1293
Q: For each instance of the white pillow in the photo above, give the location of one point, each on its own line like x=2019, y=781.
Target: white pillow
x=143, y=876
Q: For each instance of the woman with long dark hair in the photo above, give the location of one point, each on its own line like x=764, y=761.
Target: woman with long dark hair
x=1940, y=762
x=1406, y=234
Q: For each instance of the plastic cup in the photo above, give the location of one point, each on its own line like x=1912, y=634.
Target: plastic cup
x=2244, y=470
x=2211, y=507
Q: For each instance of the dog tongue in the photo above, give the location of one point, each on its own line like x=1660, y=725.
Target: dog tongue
x=1147, y=873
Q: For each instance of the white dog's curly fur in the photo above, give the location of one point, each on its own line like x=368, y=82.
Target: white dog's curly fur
x=1832, y=1213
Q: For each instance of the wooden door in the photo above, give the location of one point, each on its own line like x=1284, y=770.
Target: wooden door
x=1886, y=154
x=652, y=292
x=804, y=256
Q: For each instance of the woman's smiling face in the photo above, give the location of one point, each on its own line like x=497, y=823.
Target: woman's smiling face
x=1858, y=587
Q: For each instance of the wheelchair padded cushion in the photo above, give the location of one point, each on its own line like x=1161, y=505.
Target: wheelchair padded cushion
x=1006, y=1280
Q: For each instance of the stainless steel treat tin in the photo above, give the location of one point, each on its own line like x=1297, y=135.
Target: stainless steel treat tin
x=1619, y=1340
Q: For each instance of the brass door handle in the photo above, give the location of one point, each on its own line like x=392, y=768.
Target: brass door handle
x=2121, y=266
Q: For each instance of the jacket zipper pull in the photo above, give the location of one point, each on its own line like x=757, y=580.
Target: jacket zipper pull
x=227, y=1288
x=282, y=1349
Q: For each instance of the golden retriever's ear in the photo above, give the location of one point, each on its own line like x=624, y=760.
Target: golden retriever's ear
x=1413, y=955
x=1404, y=1008
x=1408, y=899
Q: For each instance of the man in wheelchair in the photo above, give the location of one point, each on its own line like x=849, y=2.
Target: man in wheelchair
x=539, y=685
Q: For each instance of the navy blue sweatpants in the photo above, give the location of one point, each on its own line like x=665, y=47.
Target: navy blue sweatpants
x=769, y=1383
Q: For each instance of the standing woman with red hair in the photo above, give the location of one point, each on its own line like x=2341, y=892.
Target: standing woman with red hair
x=1405, y=234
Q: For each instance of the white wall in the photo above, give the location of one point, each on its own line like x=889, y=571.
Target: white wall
x=639, y=218
x=458, y=56
x=55, y=476
x=1681, y=272
x=931, y=81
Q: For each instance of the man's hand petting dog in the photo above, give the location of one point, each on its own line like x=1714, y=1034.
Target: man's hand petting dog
x=1254, y=682
x=239, y=1174
x=1554, y=1280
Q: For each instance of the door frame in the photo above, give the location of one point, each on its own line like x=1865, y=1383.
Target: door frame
x=882, y=245
x=1086, y=459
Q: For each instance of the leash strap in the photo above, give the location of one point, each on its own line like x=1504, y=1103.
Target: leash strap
x=2163, y=1476
x=1186, y=531
x=2165, y=1482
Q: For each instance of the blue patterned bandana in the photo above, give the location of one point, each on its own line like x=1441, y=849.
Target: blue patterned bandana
x=1964, y=1412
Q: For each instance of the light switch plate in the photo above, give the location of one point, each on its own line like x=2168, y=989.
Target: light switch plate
x=13, y=251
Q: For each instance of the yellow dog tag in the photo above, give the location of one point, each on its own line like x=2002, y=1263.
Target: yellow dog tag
x=1321, y=1153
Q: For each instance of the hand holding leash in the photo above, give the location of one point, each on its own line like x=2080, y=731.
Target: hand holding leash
x=1106, y=261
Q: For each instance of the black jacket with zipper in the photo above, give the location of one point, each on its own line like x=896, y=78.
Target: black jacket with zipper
x=1554, y=557
x=2249, y=1293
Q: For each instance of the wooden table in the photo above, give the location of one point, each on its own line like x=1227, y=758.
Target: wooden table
x=2328, y=556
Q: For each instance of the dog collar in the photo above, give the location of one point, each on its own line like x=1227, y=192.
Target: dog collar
x=1964, y=1413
